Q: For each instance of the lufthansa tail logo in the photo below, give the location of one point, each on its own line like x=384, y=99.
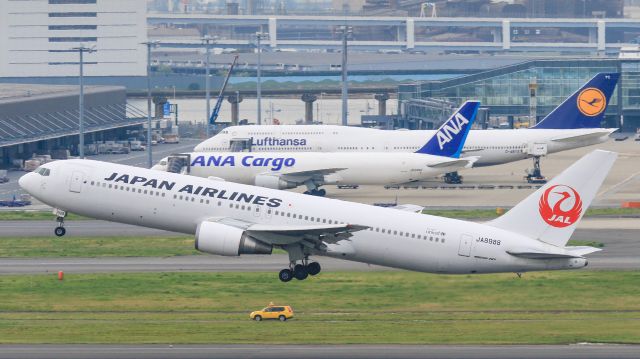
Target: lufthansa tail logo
x=591, y=102
x=563, y=209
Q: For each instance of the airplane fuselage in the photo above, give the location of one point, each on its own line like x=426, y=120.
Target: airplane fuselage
x=347, y=168
x=179, y=203
x=492, y=146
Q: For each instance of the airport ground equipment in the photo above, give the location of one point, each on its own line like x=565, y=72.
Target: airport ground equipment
x=216, y=108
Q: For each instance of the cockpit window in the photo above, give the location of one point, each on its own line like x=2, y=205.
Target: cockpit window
x=43, y=171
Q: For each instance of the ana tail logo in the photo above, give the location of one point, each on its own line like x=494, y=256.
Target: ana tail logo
x=567, y=206
x=450, y=129
x=591, y=101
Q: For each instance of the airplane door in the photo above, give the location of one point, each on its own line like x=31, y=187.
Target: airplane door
x=464, y=249
x=77, y=178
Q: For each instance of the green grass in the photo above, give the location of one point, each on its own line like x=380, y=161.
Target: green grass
x=491, y=213
x=91, y=247
x=577, y=242
x=370, y=307
x=451, y=213
x=97, y=246
x=35, y=216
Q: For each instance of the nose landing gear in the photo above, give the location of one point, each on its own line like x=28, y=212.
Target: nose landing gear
x=60, y=231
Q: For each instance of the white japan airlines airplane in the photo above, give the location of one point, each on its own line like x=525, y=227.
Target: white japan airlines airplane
x=232, y=219
x=574, y=123
x=439, y=155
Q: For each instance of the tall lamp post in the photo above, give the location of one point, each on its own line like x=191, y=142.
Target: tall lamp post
x=259, y=37
x=149, y=44
x=346, y=32
x=207, y=41
x=81, y=50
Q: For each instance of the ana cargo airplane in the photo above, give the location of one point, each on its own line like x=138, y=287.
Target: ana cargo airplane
x=439, y=155
x=231, y=219
x=574, y=123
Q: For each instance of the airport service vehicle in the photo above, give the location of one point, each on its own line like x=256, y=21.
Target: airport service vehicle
x=280, y=312
x=3, y=176
x=439, y=155
x=231, y=219
x=171, y=139
x=574, y=123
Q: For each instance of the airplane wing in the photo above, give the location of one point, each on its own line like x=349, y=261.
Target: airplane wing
x=587, y=136
x=458, y=163
x=296, y=175
x=315, y=235
x=409, y=208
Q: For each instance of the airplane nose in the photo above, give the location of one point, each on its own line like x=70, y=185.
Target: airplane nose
x=25, y=182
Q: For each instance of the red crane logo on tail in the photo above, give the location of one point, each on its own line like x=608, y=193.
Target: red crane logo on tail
x=560, y=206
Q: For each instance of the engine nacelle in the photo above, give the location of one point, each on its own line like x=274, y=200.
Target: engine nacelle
x=274, y=182
x=220, y=239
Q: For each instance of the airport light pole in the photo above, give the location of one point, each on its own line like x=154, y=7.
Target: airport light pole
x=81, y=50
x=259, y=37
x=346, y=32
x=207, y=41
x=149, y=44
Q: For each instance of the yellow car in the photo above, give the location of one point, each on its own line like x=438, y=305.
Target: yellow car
x=280, y=312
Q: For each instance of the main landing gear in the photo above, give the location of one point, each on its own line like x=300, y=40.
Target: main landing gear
x=59, y=230
x=313, y=189
x=452, y=178
x=316, y=192
x=299, y=271
x=535, y=175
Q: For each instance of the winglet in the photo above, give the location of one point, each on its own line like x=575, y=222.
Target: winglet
x=585, y=108
x=450, y=137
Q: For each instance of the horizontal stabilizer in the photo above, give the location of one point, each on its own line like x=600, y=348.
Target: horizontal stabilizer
x=461, y=163
x=586, y=136
x=568, y=252
x=409, y=208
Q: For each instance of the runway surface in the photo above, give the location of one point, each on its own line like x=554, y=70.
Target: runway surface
x=319, y=351
x=620, y=237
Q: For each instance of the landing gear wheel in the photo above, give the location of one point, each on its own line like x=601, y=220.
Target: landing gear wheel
x=317, y=192
x=285, y=275
x=452, y=178
x=282, y=318
x=257, y=318
x=59, y=231
x=306, y=192
x=313, y=268
x=300, y=272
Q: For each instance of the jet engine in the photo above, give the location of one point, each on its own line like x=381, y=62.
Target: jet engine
x=224, y=240
x=274, y=182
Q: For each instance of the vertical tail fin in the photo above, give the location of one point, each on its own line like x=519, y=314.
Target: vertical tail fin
x=450, y=137
x=552, y=213
x=585, y=108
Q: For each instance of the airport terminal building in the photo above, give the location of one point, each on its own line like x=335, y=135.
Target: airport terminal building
x=38, y=119
x=515, y=94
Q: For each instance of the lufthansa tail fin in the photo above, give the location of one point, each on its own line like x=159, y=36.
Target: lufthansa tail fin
x=450, y=137
x=552, y=213
x=585, y=108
